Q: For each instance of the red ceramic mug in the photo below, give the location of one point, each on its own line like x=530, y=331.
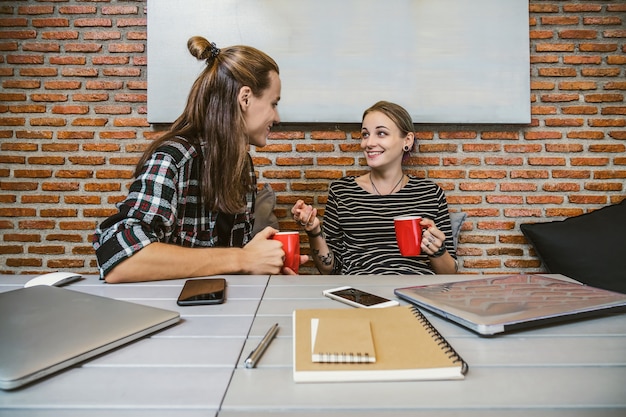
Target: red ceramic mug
x=291, y=246
x=408, y=234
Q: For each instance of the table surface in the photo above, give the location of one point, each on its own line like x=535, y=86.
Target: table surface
x=195, y=368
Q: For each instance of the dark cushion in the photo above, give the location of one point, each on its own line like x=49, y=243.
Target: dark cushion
x=264, y=209
x=591, y=248
x=456, y=220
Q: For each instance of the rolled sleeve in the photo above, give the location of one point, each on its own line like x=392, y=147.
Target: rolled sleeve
x=147, y=215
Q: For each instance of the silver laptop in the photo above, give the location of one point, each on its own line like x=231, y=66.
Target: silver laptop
x=44, y=329
x=494, y=305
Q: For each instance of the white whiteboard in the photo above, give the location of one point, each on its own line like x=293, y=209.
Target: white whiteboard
x=446, y=61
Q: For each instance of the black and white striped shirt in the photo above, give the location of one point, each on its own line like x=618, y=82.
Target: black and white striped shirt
x=360, y=232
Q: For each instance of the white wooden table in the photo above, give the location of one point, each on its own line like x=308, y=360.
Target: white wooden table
x=573, y=369
x=195, y=368
x=182, y=371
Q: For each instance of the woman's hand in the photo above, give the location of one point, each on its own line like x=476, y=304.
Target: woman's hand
x=432, y=238
x=305, y=215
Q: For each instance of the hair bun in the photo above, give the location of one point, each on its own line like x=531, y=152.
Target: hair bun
x=201, y=48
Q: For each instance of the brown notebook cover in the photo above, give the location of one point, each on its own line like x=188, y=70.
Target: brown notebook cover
x=407, y=347
x=342, y=340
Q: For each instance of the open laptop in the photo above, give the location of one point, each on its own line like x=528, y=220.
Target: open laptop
x=494, y=305
x=44, y=329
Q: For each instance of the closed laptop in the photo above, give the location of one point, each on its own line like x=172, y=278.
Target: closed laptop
x=495, y=305
x=45, y=329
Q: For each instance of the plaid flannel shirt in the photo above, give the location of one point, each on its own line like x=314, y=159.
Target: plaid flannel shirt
x=163, y=205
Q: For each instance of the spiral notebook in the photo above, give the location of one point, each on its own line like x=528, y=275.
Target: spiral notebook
x=343, y=340
x=407, y=348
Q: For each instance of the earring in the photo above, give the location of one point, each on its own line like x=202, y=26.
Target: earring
x=406, y=148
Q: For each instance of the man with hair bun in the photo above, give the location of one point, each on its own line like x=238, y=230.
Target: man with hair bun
x=190, y=209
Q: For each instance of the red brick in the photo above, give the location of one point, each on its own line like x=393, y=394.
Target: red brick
x=597, y=47
x=77, y=225
x=121, y=72
x=126, y=47
x=40, y=199
x=79, y=72
x=101, y=147
x=75, y=134
x=65, y=264
x=41, y=47
x=47, y=250
x=118, y=135
x=70, y=109
x=11, y=249
x=74, y=173
x=110, y=60
x=580, y=60
x=571, y=174
x=12, y=121
x=35, y=10
x=106, y=10
x=71, y=199
x=61, y=35
x=12, y=97
x=85, y=121
x=62, y=85
x=25, y=59
x=17, y=212
x=101, y=36
x=604, y=186
x=50, y=22
x=136, y=36
x=27, y=109
x=21, y=84
x=93, y=97
x=600, y=98
x=619, y=135
x=131, y=22
x=60, y=186
x=92, y=22
x=32, y=173
x=83, y=47
x=600, y=72
x=23, y=262
x=48, y=97
x=77, y=9
x=18, y=34
x=63, y=238
x=131, y=122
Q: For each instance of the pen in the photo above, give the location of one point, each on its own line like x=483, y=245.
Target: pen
x=255, y=355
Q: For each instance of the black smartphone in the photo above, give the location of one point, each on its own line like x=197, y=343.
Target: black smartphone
x=201, y=291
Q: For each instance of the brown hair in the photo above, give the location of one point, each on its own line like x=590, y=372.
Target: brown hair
x=213, y=122
x=399, y=116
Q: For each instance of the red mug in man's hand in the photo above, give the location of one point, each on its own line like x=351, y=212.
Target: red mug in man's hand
x=291, y=246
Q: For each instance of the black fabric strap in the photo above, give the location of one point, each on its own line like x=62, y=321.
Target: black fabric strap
x=223, y=227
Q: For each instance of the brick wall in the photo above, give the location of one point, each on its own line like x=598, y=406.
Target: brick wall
x=73, y=124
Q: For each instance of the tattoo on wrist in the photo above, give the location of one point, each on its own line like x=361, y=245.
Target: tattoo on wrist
x=326, y=260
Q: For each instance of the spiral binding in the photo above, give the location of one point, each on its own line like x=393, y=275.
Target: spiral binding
x=343, y=357
x=441, y=341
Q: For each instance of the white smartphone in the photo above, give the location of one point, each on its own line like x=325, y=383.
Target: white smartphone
x=358, y=298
